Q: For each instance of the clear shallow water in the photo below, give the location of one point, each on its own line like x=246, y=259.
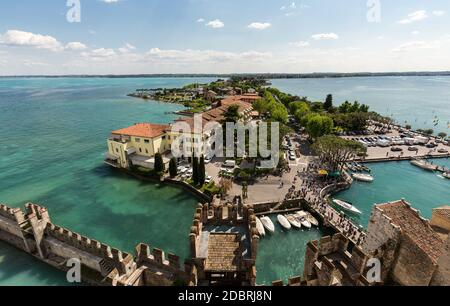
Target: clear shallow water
x=396, y=180
x=54, y=135
x=53, y=140
x=416, y=100
x=281, y=254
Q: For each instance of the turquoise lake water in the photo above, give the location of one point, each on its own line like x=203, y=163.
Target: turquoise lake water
x=54, y=135
x=420, y=101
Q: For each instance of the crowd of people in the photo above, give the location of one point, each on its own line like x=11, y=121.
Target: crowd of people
x=312, y=185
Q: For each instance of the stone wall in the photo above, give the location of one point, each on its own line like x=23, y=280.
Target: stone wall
x=413, y=267
x=383, y=238
x=34, y=233
x=440, y=221
x=441, y=276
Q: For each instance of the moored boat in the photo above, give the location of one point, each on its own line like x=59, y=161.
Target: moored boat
x=302, y=218
x=423, y=164
x=268, y=224
x=347, y=206
x=446, y=175
x=260, y=227
x=311, y=219
x=363, y=177
x=293, y=221
x=284, y=222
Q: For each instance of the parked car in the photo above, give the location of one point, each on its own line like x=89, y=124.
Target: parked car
x=396, y=149
x=413, y=149
x=208, y=179
x=443, y=151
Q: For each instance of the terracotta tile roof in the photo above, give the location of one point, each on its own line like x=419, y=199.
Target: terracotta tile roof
x=443, y=212
x=223, y=253
x=412, y=225
x=148, y=130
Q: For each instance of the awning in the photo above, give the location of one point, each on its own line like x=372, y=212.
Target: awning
x=323, y=172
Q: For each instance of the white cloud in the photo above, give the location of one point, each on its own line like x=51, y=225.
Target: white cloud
x=127, y=49
x=417, y=45
x=300, y=44
x=325, y=36
x=415, y=32
x=99, y=54
x=438, y=13
x=215, y=24
x=109, y=1
x=259, y=25
x=75, y=45
x=28, y=39
x=414, y=17
x=203, y=56
x=201, y=20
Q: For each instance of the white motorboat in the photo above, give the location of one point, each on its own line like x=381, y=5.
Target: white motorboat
x=347, y=206
x=302, y=218
x=446, y=175
x=260, y=227
x=293, y=221
x=311, y=219
x=268, y=224
x=423, y=164
x=284, y=222
x=363, y=177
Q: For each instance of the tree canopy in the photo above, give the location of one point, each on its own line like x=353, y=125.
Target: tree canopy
x=335, y=151
x=319, y=125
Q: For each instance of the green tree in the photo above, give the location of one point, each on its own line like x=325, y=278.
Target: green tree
x=232, y=114
x=442, y=135
x=319, y=125
x=195, y=168
x=201, y=171
x=173, y=167
x=328, y=102
x=159, y=163
x=335, y=151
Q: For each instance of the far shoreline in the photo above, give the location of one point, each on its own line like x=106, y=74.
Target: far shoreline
x=315, y=75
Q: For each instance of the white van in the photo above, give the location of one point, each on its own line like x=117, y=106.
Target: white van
x=229, y=164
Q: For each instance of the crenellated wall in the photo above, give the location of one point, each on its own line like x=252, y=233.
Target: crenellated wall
x=33, y=232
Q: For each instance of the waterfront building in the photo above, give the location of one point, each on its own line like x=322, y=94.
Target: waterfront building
x=137, y=145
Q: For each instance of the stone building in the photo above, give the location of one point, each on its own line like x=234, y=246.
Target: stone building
x=224, y=243
x=410, y=251
x=441, y=219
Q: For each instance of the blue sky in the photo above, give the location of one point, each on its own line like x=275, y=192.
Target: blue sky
x=224, y=36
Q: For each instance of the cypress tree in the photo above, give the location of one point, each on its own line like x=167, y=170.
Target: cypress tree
x=328, y=102
x=195, y=166
x=159, y=163
x=173, y=167
x=201, y=171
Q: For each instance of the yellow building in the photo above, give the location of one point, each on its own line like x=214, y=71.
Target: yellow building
x=137, y=145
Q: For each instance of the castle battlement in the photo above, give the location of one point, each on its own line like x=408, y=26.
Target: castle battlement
x=85, y=244
x=15, y=214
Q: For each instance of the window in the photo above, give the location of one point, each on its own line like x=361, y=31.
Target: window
x=140, y=150
x=137, y=139
x=164, y=137
x=168, y=137
x=117, y=150
x=146, y=151
x=147, y=141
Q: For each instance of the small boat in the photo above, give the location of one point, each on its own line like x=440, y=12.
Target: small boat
x=302, y=218
x=363, y=177
x=423, y=164
x=446, y=175
x=347, y=206
x=284, y=222
x=293, y=221
x=268, y=224
x=260, y=227
x=311, y=219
